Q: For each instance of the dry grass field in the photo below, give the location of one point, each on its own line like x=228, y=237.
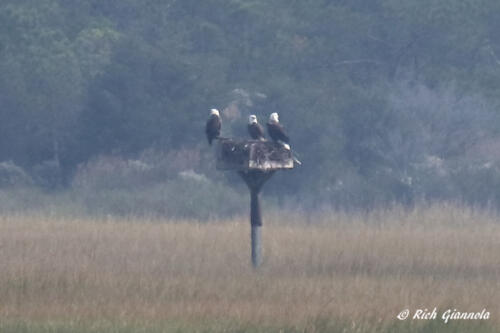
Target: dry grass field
x=342, y=273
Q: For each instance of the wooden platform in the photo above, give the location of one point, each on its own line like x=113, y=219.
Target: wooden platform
x=244, y=155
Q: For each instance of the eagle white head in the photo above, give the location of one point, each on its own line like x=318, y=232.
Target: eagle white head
x=214, y=112
x=273, y=118
x=252, y=119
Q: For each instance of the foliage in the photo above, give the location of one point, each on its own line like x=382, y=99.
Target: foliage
x=13, y=175
x=369, y=91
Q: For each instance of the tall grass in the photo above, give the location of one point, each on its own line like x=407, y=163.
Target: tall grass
x=344, y=272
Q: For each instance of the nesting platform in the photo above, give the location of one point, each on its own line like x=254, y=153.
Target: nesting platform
x=248, y=155
x=256, y=162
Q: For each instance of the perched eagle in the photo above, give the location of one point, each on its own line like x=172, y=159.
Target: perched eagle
x=255, y=129
x=213, y=126
x=278, y=134
x=276, y=131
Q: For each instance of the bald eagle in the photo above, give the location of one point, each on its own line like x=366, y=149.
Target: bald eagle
x=255, y=129
x=278, y=134
x=276, y=131
x=212, y=129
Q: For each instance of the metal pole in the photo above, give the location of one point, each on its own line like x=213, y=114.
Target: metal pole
x=256, y=245
x=256, y=231
x=255, y=179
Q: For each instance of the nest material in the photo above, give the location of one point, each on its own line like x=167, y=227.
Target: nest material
x=252, y=155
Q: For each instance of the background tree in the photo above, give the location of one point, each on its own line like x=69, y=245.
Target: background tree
x=380, y=98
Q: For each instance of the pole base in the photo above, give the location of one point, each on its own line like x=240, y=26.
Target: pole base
x=256, y=242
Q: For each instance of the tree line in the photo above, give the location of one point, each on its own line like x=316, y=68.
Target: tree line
x=386, y=100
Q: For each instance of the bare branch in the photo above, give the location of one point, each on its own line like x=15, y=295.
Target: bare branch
x=493, y=54
x=358, y=61
x=380, y=40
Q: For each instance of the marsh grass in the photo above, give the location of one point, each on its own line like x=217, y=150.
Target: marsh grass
x=327, y=325
x=342, y=272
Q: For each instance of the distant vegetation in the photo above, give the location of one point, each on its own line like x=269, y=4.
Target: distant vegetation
x=385, y=100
